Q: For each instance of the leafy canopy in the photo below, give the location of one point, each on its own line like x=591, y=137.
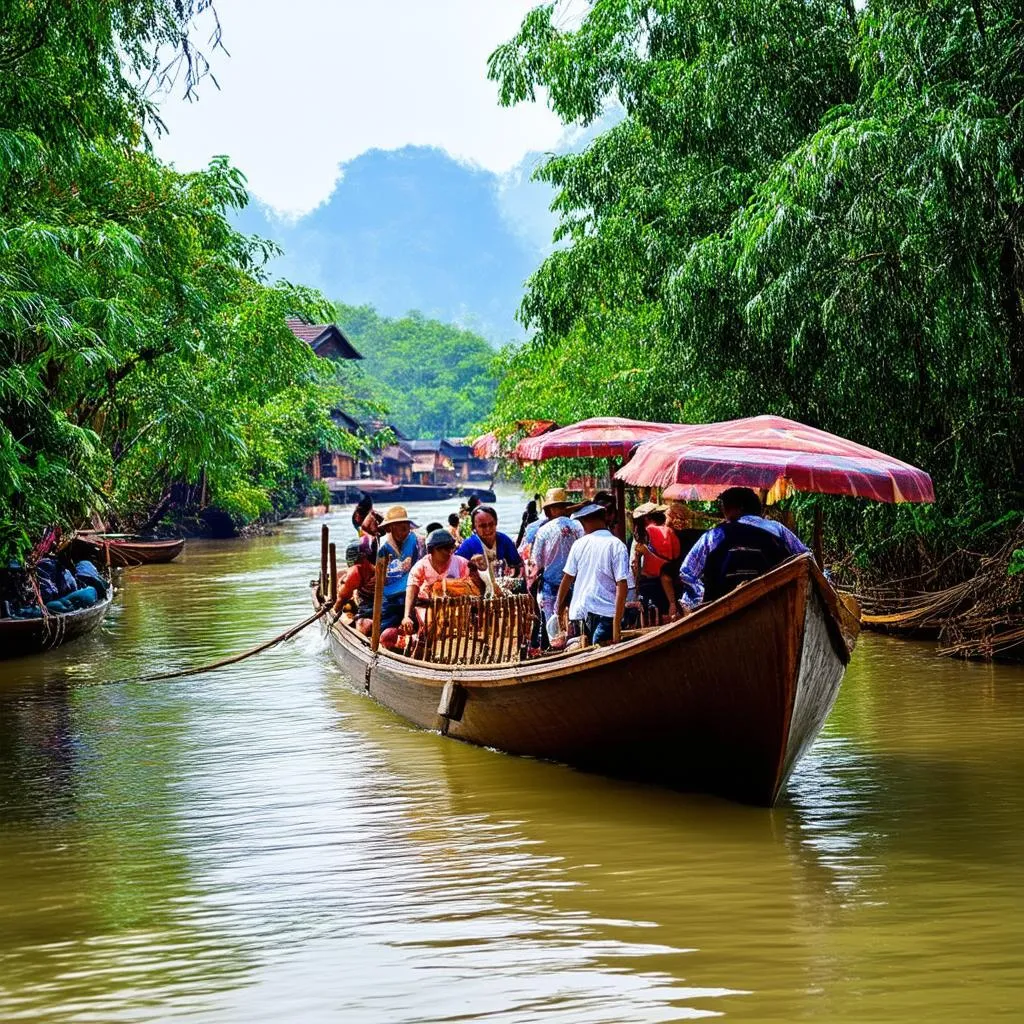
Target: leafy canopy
x=807, y=208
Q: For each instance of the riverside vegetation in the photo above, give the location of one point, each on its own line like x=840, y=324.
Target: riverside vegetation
x=144, y=357
x=809, y=208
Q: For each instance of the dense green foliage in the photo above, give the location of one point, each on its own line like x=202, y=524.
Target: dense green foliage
x=435, y=379
x=809, y=208
x=139, y=346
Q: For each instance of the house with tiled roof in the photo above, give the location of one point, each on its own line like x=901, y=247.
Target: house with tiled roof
x=326, y=340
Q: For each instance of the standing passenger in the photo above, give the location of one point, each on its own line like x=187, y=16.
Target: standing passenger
x=742, y=548
x=598, y=571
x=551, y=547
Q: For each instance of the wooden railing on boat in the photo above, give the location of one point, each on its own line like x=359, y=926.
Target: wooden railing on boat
x=476, y=630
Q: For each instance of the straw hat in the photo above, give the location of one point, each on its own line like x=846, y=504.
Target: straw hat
x=590, y=510
x=645, y=509
x=395, y=514
x=555, y=496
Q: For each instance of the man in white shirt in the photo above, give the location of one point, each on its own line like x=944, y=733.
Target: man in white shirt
x=597, y=570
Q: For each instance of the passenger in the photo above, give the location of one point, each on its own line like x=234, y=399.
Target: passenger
x=597, y=570
x=487, y=545
x=439, y=563
x=401, y=545
x=364, y=518
x=453, y=527
x=466, y=517
x=429, y=529
x=551, y=547
x=358, y=586
x=530, y=517
x=742, y=548
x=655, y=564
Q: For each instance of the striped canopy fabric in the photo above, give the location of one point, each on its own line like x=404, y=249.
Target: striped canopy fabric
x=602, y=437
x=774, y=454
x=489, y=445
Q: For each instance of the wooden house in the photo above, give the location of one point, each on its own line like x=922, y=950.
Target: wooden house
x=433, y=462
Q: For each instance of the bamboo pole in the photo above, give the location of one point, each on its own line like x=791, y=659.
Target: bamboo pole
x=332, y=557
x=378, y=600
x=322, y=585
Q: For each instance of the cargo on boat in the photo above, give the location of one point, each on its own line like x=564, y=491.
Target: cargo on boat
x=20, y=636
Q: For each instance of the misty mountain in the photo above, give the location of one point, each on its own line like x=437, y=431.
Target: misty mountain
x=414, y=229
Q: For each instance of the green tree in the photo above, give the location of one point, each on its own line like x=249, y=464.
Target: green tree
x=808, y=208
x=139, y=343
x=435, y=379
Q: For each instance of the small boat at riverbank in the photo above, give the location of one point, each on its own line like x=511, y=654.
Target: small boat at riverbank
x=19, y=637
x=127, y=550
x=725, y=700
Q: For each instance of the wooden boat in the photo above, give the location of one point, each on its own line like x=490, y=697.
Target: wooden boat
x=126, y=550
x=30, y=636
x=725, y=700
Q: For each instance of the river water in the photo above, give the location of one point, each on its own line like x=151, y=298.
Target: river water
x=264, y=844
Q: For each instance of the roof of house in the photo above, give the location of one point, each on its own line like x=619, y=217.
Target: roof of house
x=397, y=452
x=352, y=425
x=435, y=445
x=460, y=450
x=327, y=340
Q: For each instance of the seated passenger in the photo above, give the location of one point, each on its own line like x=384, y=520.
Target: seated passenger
x=742, y=548
x=358, y=586
x=401, y=546
x=655, y=563
x=486, y=545
x=439, y=563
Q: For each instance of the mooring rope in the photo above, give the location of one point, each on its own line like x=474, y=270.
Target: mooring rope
x=223, y=662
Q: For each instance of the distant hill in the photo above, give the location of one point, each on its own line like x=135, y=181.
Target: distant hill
x=410, y=229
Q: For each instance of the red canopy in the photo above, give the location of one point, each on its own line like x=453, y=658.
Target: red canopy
x=489, y=446
x=772, y=453
x=601, y=437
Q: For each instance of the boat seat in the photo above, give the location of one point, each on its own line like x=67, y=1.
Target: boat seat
x=477, y=630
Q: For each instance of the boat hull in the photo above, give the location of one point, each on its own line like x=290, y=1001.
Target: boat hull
x=725, y=701
x=19, y=637
x=128, y=552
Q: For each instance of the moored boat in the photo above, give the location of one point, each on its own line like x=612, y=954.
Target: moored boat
x=30, y=636
x=725, y=700
x=126, y=550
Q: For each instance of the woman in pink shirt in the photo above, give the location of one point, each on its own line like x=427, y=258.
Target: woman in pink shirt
x=440, y=562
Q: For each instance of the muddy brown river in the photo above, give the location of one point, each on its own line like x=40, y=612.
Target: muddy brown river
x=264, y=844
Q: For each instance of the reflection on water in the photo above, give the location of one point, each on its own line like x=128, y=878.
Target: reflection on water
x=263, y=843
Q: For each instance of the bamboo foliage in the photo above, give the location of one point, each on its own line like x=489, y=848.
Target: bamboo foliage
x=806, y=208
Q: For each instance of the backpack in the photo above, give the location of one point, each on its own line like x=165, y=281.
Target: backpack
x=744, y=553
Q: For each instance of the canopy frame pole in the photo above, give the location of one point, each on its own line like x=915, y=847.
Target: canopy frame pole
x=818, y=542
x=619, y=490
x=324, y=539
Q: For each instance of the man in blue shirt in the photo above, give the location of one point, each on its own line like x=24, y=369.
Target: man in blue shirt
x=400, y=545
x=485, y=544
x=742, y=548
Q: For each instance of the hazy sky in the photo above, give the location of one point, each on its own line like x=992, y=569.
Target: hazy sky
x=310, y=84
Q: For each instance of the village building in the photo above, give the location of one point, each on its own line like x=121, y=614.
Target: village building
x=335, y=468
x=433, y=462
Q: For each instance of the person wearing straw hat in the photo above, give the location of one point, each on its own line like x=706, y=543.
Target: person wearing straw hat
x=597, y=570
x=400, y=545
x=551, y=547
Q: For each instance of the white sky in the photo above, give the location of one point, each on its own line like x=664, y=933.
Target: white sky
x=310, y=84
